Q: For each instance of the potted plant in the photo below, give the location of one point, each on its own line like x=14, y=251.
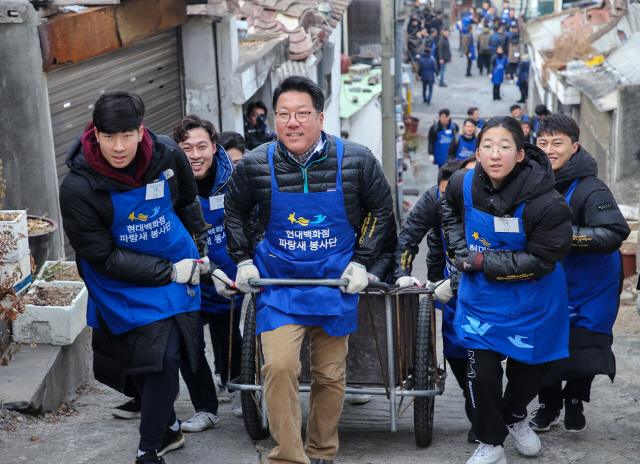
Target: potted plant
x=40, y=230
x=54, y=313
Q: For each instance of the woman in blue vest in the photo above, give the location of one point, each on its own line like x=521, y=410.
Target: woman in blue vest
x=594, y=275
x=463, y=144
x=506, y=228
x=212, y=168
x=131, y=213
x=499, y=62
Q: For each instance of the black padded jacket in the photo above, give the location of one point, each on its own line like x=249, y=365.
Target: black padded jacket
x=545, y=219
x=87, y=213
x=366, y=190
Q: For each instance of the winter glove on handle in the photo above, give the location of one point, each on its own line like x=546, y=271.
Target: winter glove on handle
x=407, y=281
x=204, y=265
x=372, y=277
x=246, y=271
x=443, y=292
x=356, y=274
x=224, y=285
x=467, y=260
x=186, y=272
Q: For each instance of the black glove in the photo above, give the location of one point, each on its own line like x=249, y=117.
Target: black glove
x=467, y=260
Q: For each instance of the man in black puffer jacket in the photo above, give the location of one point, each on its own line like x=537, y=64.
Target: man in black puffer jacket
x=326, y=208
x=131, y=212
x=594, y=275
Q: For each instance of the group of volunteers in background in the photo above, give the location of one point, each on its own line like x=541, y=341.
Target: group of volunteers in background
x=493, y=40
x=523, y=260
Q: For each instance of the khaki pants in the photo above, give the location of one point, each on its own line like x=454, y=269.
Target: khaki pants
x=282, y=367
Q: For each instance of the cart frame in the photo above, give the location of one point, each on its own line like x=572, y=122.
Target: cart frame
x=390, y=392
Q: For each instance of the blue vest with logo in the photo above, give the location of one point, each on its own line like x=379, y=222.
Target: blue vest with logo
x=593, y=282
x=213, y=212
x=497, y=74
x=526, y=320
x=148, y=226
x=308, y=237
x=450, y=342
x=465, y=148
x=442, y=145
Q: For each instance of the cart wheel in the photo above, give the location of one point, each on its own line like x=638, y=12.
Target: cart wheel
x=424, y=373
x=248, y=362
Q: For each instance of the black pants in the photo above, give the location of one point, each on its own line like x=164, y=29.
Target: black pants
x=202, y=390
x=159, y=391
x=459, y=369
x=219, y=330
x=496, y=91
x=578, y=389
x=484, y=61
x=493, y=411
x=469, y=63
x=524, y=91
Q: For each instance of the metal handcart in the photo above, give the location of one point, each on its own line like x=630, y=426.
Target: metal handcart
x=401, y=364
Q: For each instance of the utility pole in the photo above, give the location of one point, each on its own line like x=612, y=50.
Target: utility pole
x=387, y=38
x=399, y=30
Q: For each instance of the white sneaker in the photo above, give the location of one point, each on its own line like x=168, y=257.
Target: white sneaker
x=221, y=390
x=236, y=403
x=359, y=399
x=527, y=442
x=488, y=454
x=201, y=421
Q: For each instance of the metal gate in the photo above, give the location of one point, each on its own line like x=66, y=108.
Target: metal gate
x=150, y=68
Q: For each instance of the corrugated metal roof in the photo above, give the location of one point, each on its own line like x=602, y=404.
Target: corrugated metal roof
x=626, y=59
x=292, y=68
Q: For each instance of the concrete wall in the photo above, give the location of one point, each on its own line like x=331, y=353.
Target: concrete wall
x=26, y=143
x=332, y=109
x=595, y=136
x=626, y=184
x=200, y=74
x=365, y=127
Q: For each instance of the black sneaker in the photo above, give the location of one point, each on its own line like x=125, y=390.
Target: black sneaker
x=543, y=419
x=172, y=440
x=149, y=457
x=129, y=410
x=574, y=420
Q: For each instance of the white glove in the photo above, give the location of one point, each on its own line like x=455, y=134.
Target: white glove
x=372, y=277
x=407, y=281
x=432, y=159
x=224, y=285
x=356, y=274
x=443, y=291
x=204, y=266
x=246, y=271
x=186, y=272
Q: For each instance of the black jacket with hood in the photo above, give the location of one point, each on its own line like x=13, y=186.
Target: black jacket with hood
x=545, y=219
x=366, y=190
x=87, y=213
x=420, y=220
x=598, y=228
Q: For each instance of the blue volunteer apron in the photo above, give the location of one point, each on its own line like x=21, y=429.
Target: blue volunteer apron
x=497, y=75
x=213, y=212
x=593, y=282
x=308, y=237
x=442, y=145
x=150, y=227
x=526, y=320
x=450, y=342
x=465, y=148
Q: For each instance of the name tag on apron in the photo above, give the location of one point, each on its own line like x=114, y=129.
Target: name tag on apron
x=216, y=202
x=155, y=190
x=506, y=225
x=448, y=132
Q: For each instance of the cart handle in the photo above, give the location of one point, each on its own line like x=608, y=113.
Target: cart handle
x=312, y=283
